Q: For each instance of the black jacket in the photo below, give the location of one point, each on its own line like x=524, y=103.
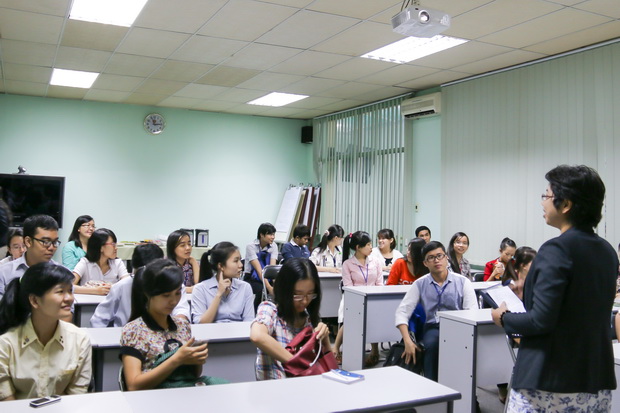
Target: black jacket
x=568, y=295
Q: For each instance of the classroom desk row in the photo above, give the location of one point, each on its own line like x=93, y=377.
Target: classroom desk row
x=382, y=390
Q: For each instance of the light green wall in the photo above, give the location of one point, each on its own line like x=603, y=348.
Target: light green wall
x=223, y=172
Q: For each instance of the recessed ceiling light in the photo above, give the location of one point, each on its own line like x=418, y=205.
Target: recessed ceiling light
x=116, y=12
x=412, y=48
x=73, y=78
x=277, y=99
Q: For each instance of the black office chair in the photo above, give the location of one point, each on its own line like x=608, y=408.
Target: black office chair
x=271, y=271
x=478, y=276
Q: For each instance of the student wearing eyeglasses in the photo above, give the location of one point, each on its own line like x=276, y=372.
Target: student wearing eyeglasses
x=41, y=239
x=440, y=290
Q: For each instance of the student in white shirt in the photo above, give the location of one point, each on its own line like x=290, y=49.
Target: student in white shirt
x=385, y=252
x=16, y=246
x=100, y=268
x=41, y=355
x=222, y=297
x=328, y=255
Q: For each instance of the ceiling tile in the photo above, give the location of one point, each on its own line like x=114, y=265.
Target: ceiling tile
x=565, y=2
x=310, y=114
x=247, y=109
x=149, y=42
x=609, y=8
x=397, y=74
x=27, y=53
x=126, y=64
x=498, y=62
x=81, y=59
x=117, y=82
x=355, y=68
x=144, y=99
x=214, y=105
x=575, y=40
x=181, y=71
x=53, y=7
x=498, y=15
x=384, y=93
x=27, y=73
x=227, y=76
x=183, y=16
x=18, y=87
x=311, y=86
x=160, y=87
x=354, y=8
x=29, y=27
x=313, y=102
x=461, y=54
x=291, y=3
x=89, y=35
x=245, y=20
x=269, y=81
x=200, y=91
x=63, y=92
x=240, y=95
x=350, y=90
x=545, y=28
x=309, y=62
x=179, y=102
x=385, y=16
x=342, y=105
x=106, y=95
x=281, y=112
x=211, y=50
x=261, y=56
x=434, y=79
x=360, y=39
x=307, y=28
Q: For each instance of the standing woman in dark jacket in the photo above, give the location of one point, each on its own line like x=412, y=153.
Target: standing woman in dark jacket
x=566, y=360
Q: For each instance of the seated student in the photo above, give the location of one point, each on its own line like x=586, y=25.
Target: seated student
x=406, y=270
x=361, y=269
x=222, y=297
x=385, y=252
x=502, y=268
x=459, y=244
x=328, y=255
x=440, y=290
x=16, y=246
x=297, y=247
x=75, y=249
x=179, y=250
x=41, y=239
x=523, y=260
x=296, y=305
x=41, y=355
x=157, y=349
x=100, y=268
x=115, y=309
x=423, y=232
x=258, y=254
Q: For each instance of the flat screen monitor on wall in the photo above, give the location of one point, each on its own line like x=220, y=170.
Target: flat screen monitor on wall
x=28, y=195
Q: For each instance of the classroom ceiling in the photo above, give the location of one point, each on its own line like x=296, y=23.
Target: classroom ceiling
x=216, y=55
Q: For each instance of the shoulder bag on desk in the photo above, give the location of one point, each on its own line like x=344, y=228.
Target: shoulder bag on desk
x=309, y=358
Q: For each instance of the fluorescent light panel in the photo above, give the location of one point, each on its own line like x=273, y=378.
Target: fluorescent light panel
x=116, y=12
x=412, y=48
x=277, y=99
x=73, y=78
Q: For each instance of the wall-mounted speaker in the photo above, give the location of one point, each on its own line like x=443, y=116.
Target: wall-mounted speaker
x=306, y=134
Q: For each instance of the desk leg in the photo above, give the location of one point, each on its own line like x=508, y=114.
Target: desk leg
x=457, y=362
x=354, y=336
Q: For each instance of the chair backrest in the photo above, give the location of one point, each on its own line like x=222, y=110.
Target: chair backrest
x=478, y=276
x=271, y=271
x=122, y=385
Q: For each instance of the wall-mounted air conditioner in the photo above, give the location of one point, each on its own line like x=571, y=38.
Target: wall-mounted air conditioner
x=421, y=106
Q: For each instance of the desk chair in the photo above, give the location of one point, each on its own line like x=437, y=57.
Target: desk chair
x=478, y=276
x=270, y=272
x=122, y=385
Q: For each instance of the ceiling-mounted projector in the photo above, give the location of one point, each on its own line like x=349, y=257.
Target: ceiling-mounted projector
x=420, y=22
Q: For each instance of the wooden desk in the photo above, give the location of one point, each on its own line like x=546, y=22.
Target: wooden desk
x=472, y=352
x=382, y=389
x=85, y=305
x=231, y=353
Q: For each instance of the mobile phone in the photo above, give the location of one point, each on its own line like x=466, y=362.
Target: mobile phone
x=198, y=343
x=44, y=401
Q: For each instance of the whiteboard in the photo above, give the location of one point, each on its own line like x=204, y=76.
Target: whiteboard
x=287, y=214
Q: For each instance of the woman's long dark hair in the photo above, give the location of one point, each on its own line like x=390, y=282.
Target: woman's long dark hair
x=417, y=260
x=333, y=231
x=13, y=232
x=219, y=254
x=293, y=270
x=37, y=280
x=454, y=263
x=509, y=271
x=159, y=277
x=173, y=242
x=96, y=241
x=75, y=235
x=357, y=239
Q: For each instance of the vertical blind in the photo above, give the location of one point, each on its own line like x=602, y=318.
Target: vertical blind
x=502, y=133
x=359, y=158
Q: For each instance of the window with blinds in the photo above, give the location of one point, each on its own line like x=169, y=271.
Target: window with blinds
x=359, y=157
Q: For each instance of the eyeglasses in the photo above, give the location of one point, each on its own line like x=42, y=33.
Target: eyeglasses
x=48, y=243
x=437, y=257
x=310, y=297
x=110, y=243
x=544, y=197
x=89, y=226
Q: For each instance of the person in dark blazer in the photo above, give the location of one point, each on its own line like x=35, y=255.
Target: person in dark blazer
x=565, y=361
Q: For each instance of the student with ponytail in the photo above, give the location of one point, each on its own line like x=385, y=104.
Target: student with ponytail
x=222, y=297
x=41, y=355
x=328, y=255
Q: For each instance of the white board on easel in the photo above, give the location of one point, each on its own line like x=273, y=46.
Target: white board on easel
x=288, y=213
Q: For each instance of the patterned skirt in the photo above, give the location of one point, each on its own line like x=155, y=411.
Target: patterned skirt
x=538, y=401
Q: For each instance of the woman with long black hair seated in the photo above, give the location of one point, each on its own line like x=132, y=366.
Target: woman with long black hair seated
x=41, y=355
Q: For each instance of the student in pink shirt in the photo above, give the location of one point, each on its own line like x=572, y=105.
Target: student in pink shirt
x=360, y=269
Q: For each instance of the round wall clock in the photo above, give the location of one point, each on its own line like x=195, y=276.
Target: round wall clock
x=154, y=123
